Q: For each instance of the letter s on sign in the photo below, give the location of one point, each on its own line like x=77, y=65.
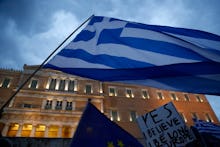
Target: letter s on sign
x=169, y=111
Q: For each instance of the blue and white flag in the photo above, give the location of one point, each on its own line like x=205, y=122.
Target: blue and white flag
x=207, y=132
x=177, y=59
x=207, y=128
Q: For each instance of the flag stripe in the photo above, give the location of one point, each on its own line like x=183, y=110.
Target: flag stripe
x=200, y=41
x=198, y=38
x=120, y=62
x=158, y=46
x=215, y=77
x=154, y=77
x=71, y=63
x=177, y=40
x=209, y=128
x=147, y=57
x=174, y=70
x=179, y=31
x=176, y=83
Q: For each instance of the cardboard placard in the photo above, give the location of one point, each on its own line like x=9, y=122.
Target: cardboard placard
x=164, y=127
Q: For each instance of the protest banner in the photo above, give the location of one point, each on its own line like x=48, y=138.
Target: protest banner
x=164, y=127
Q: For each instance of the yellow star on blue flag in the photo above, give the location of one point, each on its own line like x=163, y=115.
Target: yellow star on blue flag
x=120, y=143
x=110, y=144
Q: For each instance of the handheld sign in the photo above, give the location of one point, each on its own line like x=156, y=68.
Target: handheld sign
x=164, y=127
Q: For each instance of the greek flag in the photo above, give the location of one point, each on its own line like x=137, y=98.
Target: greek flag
x=207, y=128
x=176, y=59
x=207, y=132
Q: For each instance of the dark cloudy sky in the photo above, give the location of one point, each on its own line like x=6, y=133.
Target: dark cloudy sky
x=31, y=29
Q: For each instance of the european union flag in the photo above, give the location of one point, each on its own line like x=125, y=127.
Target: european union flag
x=176, y=59
x=96, y=130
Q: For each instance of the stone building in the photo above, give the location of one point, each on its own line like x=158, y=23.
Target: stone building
x=51, y=103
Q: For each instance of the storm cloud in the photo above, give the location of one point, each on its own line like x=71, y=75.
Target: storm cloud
x=31, y=30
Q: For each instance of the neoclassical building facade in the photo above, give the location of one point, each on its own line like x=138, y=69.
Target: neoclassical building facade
x=51, y=103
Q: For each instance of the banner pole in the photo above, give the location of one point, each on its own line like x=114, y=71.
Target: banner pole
x=25, y=82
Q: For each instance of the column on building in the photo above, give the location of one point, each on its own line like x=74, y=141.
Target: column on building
x=102, y=106
x=43, y=104
x=11, y=102
x=54, y=102
x=72, y=131
x=5, y=129
x=48, y=83
x=75, y=85
x=73, y=105
x=60, y=131
x=33, y=130
x=66, y=85
x=19, y=130
x=64, y=105
x=100, y=88
x=46, y=131
x=57, y=84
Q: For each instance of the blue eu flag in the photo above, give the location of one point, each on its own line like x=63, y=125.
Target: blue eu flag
x=96, y=130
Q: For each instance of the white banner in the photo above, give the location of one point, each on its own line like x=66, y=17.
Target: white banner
x=164, y=127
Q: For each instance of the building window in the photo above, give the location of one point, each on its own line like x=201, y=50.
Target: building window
x=114, y=115
x=194, y=115
x=62, y=85
x=183, y=117
x=133, y=116
x=66, y=132
x=40, y=129
x=33, y=84
x=199, y=99
x=48, y=104
x=174, y=97
x=71, y=85
x=27, y=106
x=58, y=105
x=12, y=131
x=53, y=131
x=52, y=84
x=208, y=118
x=69, y=105
x=112, y=91
x=88, y=89
x=26, y=130
x=129, y=93
x=160, y=96
x=186, y=97
x=6, y=83
x=145, y=94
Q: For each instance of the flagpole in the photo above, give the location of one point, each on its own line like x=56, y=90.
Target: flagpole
x=25, y=82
